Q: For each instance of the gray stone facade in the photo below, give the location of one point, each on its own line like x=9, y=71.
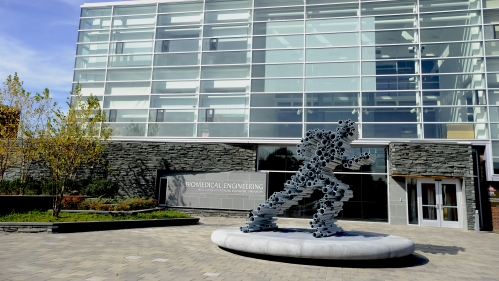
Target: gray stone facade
x=434, y=160
x=134, y=164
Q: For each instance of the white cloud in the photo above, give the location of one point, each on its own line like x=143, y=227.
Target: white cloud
x=38, y=68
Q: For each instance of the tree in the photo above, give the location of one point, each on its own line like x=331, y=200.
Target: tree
x=9, y=122
x=72, y=140
x=24, y=118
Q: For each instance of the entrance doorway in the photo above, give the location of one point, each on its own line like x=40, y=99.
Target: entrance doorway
x=439, y=202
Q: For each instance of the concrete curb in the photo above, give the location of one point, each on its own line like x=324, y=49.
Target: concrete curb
x=70, y=227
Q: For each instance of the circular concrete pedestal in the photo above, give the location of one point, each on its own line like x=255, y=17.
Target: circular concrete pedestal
x=299, y=243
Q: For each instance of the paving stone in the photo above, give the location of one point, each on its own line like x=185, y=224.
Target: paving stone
x=188, y=253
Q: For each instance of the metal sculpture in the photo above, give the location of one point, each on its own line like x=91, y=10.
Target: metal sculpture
x=323, y=151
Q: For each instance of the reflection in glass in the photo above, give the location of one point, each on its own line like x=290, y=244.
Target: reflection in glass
x=277, y=70
x=452, y=65
x=412, y=201
x=224, y=86
x=274, y=115
x=329, y=11
x=180, y=19
x=332, y=25
x=216, y=72
x=174, y=73
x=389, y=52
x=128, y=129
x=390, y=114
x=276, y=100
x=87, y=89
x=128, y=74
x=227, y=16
x=429, y=197
x=126, y=102
x=278, y=158
x=457, y=97
x=288, y=27
x=172, y=46
x=332, y=99
x=227, y=30
x=128, y=88
x=403, y=131
x=126, y=115
x=277, y=56
x=390, y=99
x=332, y=54
x=91, y=49
x=184, y=101
x=330, y=114
x=223, y=101
x=93, y=36
x=176, y=59
x=95, y=12
x=450, y=19
x=226, y=57
x=446, y=5
x=461, y=49
x=388, y=7
x=180, y=7
x=206, y=130
x=223, y=115
x=278, y=14
x=333, y=69
x=460, y=33
x=333, y=40
x=171, y=130
x=455, y=114
x=389, y=37
x=164, y=115
x=275, y=130
x=132, y=34
x=130, y=61
x=178, y=32
x=135, y=21
x=90, y=62
x=227, y=4
x=89, y=75
x=134, y=10
x=278, y=42
x=172, y=87
x=98, y=23
x=388, y=22
x=456, y=131
x=328, y=84
x=276, y=85
x=224, y=44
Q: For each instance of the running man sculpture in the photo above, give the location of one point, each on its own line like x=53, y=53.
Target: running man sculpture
x=322, y=151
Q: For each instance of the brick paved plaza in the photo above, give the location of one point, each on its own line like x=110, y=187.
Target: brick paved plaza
x=187, y=253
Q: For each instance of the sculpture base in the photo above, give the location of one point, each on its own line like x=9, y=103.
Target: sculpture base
x=299, y=243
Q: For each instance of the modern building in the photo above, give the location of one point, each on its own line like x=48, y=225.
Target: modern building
x=420, y=77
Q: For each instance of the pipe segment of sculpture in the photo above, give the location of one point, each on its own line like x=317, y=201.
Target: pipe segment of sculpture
x=323, y=151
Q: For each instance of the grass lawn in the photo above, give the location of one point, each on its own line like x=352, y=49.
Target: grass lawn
x=38, y=216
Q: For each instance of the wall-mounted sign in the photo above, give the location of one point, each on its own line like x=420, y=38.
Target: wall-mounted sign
x=228, y=190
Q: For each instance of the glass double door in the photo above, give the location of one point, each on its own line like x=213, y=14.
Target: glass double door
x=438, y=202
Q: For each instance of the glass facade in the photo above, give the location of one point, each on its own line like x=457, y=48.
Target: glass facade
x=270, y=70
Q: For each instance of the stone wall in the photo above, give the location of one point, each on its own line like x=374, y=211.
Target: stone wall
x=436, y=160
x=134, y=164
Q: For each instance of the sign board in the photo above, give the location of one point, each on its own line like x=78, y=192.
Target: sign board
x=228, y=190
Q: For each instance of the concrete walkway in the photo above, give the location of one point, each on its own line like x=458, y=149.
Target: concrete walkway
x=187, y=253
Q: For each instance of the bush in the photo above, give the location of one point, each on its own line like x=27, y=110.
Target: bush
x=100, y=188
x=131, y=204
x=90, y=187
x=72, y=202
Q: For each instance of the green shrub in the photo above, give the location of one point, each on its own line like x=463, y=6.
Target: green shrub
x=100, y=188
x=131, y=204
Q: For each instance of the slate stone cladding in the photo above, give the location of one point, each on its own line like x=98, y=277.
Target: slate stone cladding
x=134, y=164
x=430, y=159
x=495, y=219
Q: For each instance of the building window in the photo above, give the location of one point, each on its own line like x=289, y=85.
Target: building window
x=214, y=44
x=160, y=115
x=165, y=46
x=496, y=31
x=112, y=115
x=119, y=48
x=210, y=115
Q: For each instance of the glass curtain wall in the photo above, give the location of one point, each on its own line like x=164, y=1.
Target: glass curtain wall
x=404, y=69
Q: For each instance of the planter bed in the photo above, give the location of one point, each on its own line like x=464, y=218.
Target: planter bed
x=68, y=227
x=113, y=213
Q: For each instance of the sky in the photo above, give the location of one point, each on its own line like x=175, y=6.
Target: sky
x=38, y=41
